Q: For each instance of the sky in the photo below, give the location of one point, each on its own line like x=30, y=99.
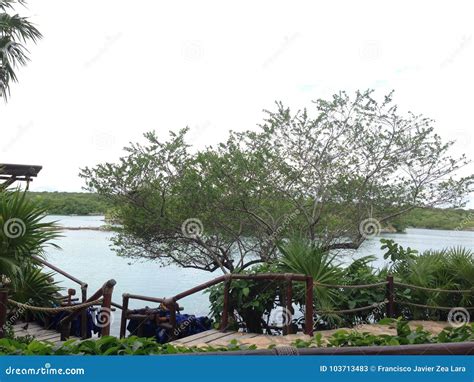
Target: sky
x=108, y=71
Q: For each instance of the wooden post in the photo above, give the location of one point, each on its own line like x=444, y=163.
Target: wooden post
x=390, y=295
x=84, y=332
x=171, y=305
x=309, y=307
x=288, y=311
x=3, y=310
x=65, y=329
x=106, y=309
x=123, y=320
x=225, y=309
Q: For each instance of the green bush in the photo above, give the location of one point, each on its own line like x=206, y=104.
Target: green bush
x=404, y=336
x=249, y=300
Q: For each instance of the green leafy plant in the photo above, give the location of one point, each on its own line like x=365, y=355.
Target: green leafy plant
x=249, y=300
x=360, y=272
x=301, y=256
x=450, y=269
x=395, y=252
x=23, y=231
x=34, y=287
x=107, y=345
x=404, y=336
x=14, y=32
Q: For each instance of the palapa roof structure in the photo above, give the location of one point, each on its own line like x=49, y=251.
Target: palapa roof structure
x=9, y=173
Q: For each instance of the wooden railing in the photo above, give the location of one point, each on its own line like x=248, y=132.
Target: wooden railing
x=105, y=311
x=173, y=307
x=83, y=287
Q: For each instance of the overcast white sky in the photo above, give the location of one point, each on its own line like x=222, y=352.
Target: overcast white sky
x=108, y=70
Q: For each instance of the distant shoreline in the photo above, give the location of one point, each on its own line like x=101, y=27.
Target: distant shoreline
x=108, y=228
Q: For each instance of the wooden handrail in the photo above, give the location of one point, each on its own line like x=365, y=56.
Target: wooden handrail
x=59, y=270
x=171, y=303
x=106, y=292
x=76, y=280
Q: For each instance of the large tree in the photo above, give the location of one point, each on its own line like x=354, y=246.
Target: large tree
x=15, y=31
x=335, y=177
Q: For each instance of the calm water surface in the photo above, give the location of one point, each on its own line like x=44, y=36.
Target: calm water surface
x=87, y=256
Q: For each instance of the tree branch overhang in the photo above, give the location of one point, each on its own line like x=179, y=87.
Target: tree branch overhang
x=9, y=173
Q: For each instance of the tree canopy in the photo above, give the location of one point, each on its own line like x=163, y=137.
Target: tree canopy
x=14, y=32
x=333, y=174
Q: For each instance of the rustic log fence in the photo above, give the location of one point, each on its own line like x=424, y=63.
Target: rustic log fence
x=171, y=303
x=102, y=297
x=388, y=304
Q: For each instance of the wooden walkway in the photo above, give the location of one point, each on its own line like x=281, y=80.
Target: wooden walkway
x=262, y=341
x=40, y=333
x=217, y=338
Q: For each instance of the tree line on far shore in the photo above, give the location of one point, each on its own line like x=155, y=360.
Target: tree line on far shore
x=85, y=203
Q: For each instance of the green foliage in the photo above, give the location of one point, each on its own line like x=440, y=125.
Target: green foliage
x=451, y=269
x=107, y=345
x=303, y=257
x=404, y=336
x=436, y=218
x=395, y=252
x=300, y=256
x=22, y=231
x=249, y=300
x=85, y=203
x=319, y=173
x=34, y=287
x=70, y=203
x=360, y=272
x=14, y=32
x=148, y=346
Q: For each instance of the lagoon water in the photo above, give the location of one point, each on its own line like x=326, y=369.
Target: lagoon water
x=87, y=255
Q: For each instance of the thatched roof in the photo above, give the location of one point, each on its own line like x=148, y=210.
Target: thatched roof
x=9, y=173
